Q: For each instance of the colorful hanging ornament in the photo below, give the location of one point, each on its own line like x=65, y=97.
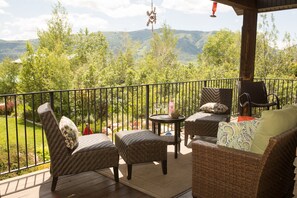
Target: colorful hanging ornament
x=152, y=16
x=214, y=9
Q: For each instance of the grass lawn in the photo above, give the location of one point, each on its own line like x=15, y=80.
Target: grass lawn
x=24, y=142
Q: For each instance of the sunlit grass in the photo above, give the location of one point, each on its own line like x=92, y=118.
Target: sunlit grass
x=21, y=140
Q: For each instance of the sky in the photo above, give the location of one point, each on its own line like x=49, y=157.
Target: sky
x=20, y=19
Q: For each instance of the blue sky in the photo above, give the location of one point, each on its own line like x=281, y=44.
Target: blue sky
x=20, y=19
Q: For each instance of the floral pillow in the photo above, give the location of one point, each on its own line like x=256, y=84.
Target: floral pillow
x=213, y=107
x=69, y=131
x=238, y=135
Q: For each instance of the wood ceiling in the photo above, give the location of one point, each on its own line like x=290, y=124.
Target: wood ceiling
x=259, y=5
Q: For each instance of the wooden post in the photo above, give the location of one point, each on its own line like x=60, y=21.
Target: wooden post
x=248, y=44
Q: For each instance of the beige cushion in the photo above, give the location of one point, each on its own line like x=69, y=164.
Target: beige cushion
x=238, y=135
x=213, y=107
x=69, y=131
x=273, y=123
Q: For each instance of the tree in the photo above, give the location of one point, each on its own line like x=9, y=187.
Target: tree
x=220, y=56
x=92, y=56
x=59, y=31
x=44, y=70
x=9, y=72
x=273, y=60
x=160, y=63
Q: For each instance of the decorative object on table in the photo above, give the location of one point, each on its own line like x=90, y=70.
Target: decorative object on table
x=170, y=107
x=175, y=114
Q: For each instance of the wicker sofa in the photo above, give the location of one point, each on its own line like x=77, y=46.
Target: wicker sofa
x=219, y=171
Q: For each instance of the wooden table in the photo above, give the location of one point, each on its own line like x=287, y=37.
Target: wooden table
x=158, y=119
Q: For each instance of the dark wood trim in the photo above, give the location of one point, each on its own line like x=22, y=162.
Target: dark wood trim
x=248, y=45
x=272, y=5
x=242, y=4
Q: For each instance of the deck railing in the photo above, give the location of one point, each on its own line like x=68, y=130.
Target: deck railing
x=108, y=110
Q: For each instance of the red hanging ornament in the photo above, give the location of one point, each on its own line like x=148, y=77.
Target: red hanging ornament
x=214, y=9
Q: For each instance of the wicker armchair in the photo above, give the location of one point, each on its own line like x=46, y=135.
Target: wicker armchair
x=94, y=151
x=254, y=94
x=225, y=172
x=206, y=124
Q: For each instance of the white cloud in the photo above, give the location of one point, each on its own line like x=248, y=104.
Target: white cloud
x=3, y=4
x=193, y=6
x=82, y=21
x=112, y=8
x=23, y=28
x=26, y=28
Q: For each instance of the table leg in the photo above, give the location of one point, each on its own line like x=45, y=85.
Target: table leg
x=154, y=127
x=175, y=139
x=159, y=128
x=178, y=134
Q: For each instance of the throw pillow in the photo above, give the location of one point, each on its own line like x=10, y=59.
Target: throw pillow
x=237, y=135
x=213, y=107
x=244, y=118
x=69, y=131
x=273, y=123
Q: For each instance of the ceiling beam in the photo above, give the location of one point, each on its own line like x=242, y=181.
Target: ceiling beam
x=241, y=4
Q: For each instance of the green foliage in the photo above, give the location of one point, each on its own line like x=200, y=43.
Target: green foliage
x=160, y=62
x=28, y=135
x=44, y=70
x=8, y=76
x=271, y=61
x=59, y=31
x=220, y=56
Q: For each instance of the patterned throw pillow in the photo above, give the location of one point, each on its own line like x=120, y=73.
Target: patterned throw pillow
x=213, y=107
x=69, y=131
x=238, y=135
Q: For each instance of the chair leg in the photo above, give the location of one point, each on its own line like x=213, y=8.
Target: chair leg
x=116, y=173
x=129, y=166
x=164, y=167
x=54, y=183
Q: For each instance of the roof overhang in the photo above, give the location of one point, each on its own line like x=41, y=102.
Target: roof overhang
x=259, y=5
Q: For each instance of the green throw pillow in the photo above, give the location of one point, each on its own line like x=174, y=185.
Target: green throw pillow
x=273, y=123
x=238, y=135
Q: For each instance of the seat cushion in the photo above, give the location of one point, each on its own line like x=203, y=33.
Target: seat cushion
x=238, y=135
x=93, y=142
x=69, y=131
x=202, y=116
x=273, y=123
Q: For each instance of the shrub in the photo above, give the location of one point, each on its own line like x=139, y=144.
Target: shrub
x=8, y=108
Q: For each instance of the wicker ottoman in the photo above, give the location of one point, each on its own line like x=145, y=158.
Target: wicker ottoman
x=140, y=146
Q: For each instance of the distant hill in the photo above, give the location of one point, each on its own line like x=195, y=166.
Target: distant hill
x=13, y=49
x=190, y=43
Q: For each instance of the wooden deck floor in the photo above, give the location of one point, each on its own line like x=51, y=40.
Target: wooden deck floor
x=88, y=184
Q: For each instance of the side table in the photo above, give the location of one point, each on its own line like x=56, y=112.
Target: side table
x=165, y=118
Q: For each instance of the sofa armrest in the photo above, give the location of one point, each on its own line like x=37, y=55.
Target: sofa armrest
x=219, y=171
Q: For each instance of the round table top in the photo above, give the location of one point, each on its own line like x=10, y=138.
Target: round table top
x=165, y=118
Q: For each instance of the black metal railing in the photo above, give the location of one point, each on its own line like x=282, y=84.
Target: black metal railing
x=108, y=110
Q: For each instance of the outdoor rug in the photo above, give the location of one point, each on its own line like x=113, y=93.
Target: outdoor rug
x=149, y=179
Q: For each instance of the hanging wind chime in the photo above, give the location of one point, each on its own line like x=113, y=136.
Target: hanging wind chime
x=214, y=9
x=152, y=16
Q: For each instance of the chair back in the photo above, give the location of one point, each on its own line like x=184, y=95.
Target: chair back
x=218, y=95
x=55, y=139
x=256, y=90
x=277, y=170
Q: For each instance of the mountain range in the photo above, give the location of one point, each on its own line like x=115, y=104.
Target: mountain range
x=189, y=43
